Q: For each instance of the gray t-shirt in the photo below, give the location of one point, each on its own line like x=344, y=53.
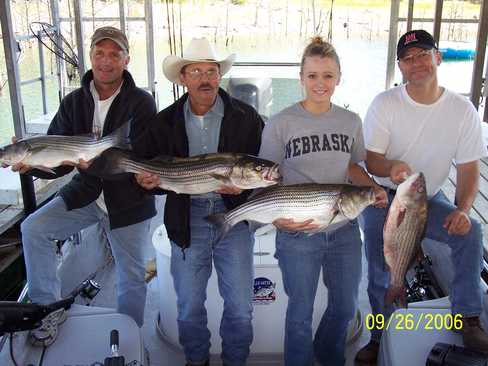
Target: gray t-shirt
x=313, y=148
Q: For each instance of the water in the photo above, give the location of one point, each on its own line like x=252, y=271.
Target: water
x=363, y=65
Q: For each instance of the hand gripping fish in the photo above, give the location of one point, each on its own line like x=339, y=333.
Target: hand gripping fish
x=326, y=204
x=403, y=232
x=194, y=175
x=50, y=151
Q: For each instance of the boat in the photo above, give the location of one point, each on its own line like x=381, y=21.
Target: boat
x=84, y=339
x=457, y=51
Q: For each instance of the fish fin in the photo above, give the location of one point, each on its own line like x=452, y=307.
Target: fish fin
x=162, y=159
x=259, y=228
x=36, y=150
x=401, y=216
x=386, y=220
x=419, y=255
x=90, y=135
x=334, y=215
x=258, y=191
x=174, y=189
x=221, y=225
x=221, y=178
x=106, y=165
x=44, y=169
x=396, y=295
x=253, y=193
x=121, y=135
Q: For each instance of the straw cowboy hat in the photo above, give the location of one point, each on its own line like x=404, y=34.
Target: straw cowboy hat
x=198, y=50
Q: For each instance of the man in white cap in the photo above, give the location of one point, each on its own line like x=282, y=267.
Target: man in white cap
x=107, y=99
x=206, y=120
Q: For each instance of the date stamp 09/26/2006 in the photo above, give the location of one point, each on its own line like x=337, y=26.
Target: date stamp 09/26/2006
x=422, y=321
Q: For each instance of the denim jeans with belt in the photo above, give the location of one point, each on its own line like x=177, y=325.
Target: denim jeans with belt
x=301, y=257
x=233, y=260
x=53, y=221
x=467, y=256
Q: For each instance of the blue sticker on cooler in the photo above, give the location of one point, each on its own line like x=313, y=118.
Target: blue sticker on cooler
x=264, y=291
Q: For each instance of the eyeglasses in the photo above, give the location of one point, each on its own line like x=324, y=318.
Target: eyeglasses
x=197, y=74
x=421, y=56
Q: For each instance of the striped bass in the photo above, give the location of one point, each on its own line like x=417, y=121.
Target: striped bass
x=194, y=175
x=50, y=151
x=403, y=231
x=326, y=204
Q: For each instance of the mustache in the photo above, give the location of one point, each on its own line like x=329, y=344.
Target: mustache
x=205, y=86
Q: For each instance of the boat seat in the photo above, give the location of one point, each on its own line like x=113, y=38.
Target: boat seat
x=440, y=303
x=83, y=339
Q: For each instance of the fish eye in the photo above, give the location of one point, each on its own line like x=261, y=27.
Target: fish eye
x=259, y=168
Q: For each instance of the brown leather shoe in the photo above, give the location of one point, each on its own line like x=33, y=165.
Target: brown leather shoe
x=474, y=337
x=368, y=355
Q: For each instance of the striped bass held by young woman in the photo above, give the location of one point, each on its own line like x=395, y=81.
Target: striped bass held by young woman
x=193, y=175
x=326, y=204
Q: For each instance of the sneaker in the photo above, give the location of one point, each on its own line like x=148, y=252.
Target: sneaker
x=368, y=355
x=46, y=334
x=474, y=337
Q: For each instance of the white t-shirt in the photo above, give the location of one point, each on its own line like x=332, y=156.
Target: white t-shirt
x=99, y=116
x=427, y=137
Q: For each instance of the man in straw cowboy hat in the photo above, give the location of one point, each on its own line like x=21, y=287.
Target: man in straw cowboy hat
x=206, y=120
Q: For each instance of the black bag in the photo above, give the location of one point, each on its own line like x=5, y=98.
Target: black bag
x=443, y=354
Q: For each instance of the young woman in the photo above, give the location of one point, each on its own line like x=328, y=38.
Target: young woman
x=317, y=141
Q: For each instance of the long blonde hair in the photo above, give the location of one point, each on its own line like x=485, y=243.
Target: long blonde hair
x=319, y=47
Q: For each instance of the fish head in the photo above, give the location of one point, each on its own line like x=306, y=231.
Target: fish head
x=355, y=199
x=413, y=190
x=252, y=172
x=14, y=153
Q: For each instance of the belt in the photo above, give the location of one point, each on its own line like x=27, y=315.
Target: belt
x=211, y=198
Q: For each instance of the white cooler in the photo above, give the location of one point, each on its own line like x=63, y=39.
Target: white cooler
x=270, y=300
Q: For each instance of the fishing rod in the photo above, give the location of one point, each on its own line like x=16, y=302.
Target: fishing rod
x=16, y=317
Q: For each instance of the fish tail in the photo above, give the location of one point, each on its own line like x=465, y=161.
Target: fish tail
x=397, y=295
x=221, y=225
x=121, y=136
x=107, y=165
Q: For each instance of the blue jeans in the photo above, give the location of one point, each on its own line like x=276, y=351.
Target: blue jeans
x=300, y=257
x=467, y=256
x=53, y=221
x=233, y=260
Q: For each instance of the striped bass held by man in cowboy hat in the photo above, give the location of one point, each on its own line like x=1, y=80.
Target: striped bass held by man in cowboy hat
x=205, y=120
